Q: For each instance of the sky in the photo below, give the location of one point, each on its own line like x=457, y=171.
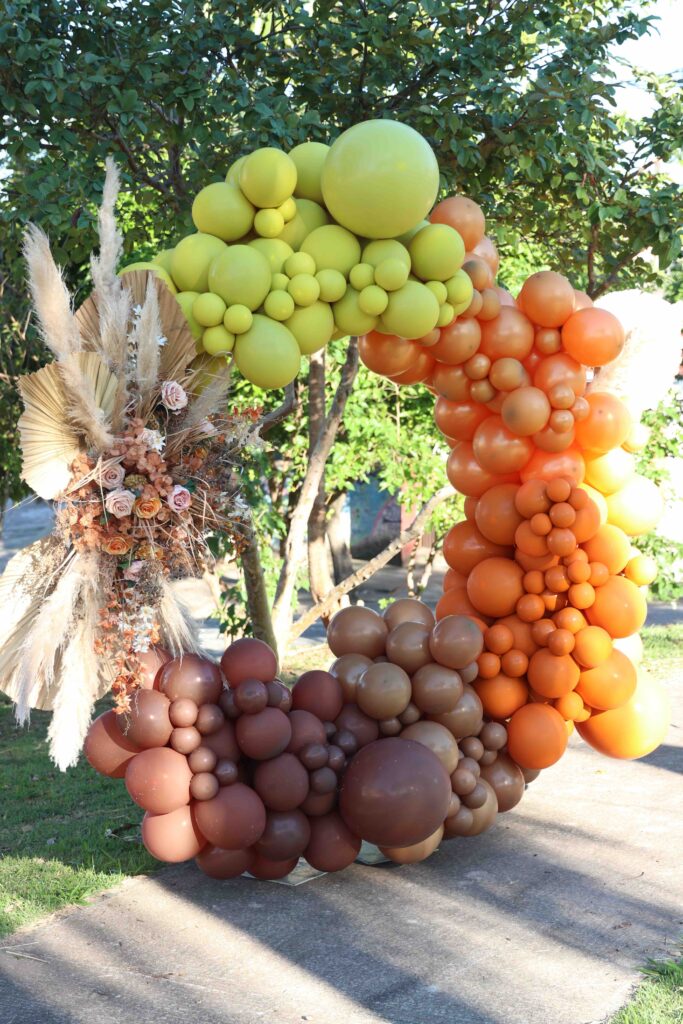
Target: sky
x=659, y=51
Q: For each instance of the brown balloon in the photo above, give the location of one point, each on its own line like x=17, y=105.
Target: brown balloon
x=106, y=750
x=469, y=673
x=463, y=781
x=477, y=798
x=323, y=780
x=248, y=658
x=263, y=735
x=146, y=723
x=456, y=641
x=395, y=792
x=414, y=854
x=437, y=739
x=317, y=804
x=470, y=765
x=466, y=718
x=488, y=757
x=530, y=774
x=494, y=736
x=150, y=662
x=183, y=712
x=226, y=771
x=226, y=702
x=411, y=714
x=204, y=786
x=332, y=845
x=348, y=669
x=158, y=780
x=357, y=630
x=306, y=729
x=222, y=864
x=234, y=819
x=383, y=690
x=336, y=758
x=186, y=739
x=286, y=835
x=408, y=646
x=251, y=696
x=320, y=693
x=408, y=609
x=203, y=759
x=209, y=719
x=223, y=742
x=472, y=747
x=282, y=783
x=506, y=780
x=172, y=837
x=454, y=805
x=482, y=817
x=279, y=696
x=346, y=742
x=191, y=676
x=458, y=823
x=436, y=689
x=269, y=870
x=313, y=756
x=361, y=726
x=390, y=727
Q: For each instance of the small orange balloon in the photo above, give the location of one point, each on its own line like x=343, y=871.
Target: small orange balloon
x=466, y=474
x=619, y=607
x=386, y=353
x=490, y=303
x=507, y=374
x=496, y=515
x=547, y=298
x=453, y=579
x=478, y=271
x=477, y=368
x=499, y=639
x=530, y=608
x=470, y=507
x=528, y=541
x=581, y=595
x=550, y=440
x=532, y=497
x=521, y=631
x=599, y=574
x=641, y=570
x=418, y=371
x=494, y=586
x=488, y=665
x=498, y=450
x=557, y=579
x=561, y=642
x=510, y=334
x=571, y=707
x=561, y=542
x=541, y=631
x=551, y=675
x=587, y=521
x=607, y=425
x=514, y=663
x=571, y=619
x=634, y=729
x=533, y=582
x=537, y=736
x=525, y=411
x=593, y=336
x=560, y=369
x=451, y=382
x=502, y=695
x=581, y=300
x=547, y=341
x=610, y=684
x=464, y=215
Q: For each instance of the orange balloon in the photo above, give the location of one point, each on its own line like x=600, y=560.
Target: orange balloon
x=610, y=684
x=499, y=451
x=507, y=374
x=494, y=586
x=478, y=271
x=455, y=602
x=560, y=369
x=418, y=371
x=464, y=215
x=453, y=579
x=386, y=353
x=469, y=507
x=464, y=547
x=451, y=382
x=458, y=420
x=488, y=665
x=551, y=440
x=530, y=608
x=496, y=515
x=607, y=425
x=634, y=729
x=593, y=336
x=510, y=334
x=477, y=302
x=506, y=299
x=570, y=619
x=531, y=562
x=641, y=570
x=528, y=541
x=490, y=303
x=499, y=639
x=547, y=340
x=525, y=411
x=501, y=695
x=537, y=736
x=466, y=474
x=581, y=300
x=522, y=634
x=551, y=675
x=619, y=607
x=587, y=521
x=609, y=545
x=611, y=471
x=488, y=252
x=514, y=663
x=571, y=707
x=531, y=498
x=458, y=342
x=547, y=465
x=547, y=298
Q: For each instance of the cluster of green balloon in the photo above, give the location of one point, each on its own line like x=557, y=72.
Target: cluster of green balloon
x=294, y=249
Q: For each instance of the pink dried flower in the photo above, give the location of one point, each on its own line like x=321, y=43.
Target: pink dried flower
x=179, y=499
x=132, y=572
x=173, y=396
x=112, y=476
x=120, y=503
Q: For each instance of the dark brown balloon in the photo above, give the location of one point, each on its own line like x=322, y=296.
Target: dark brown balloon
x=191, y=676
x=172, y=837
x=251, y=696
x=183, y=712
x=234, y=819
x=506, y=780
x=209, y=719
x=357, y=630
x=316, y=804
x=203, y=759
x=346, y=742
x=306, y=729
x=223, y=742
x=333, y=845
x=186, y=739
x=282, y=783
x=279, y=696
x=248, y=658
x=407, y=609
x=456, y=641
x=494, y=736
x=459, y=823
x=158, y=780
x=383, y=690
x=436, y=689
x=313, y=756
x=436, y=738
x=222, y=864
x=226, y=702
x=336, y=758
x=204, y=786
x=146, y=723
x=395, y=792
x=466, y=717
x=226, y=771
x=150, y=662
x=361, y=726
x=269, y=870
x=263, y=735
x=411, y=714
x=390, y=727
x=107, y=751
x=320, y=693
x=408, y=646
x=323, y=780
x=348, y=669
x=285, y=836
x=530, y=774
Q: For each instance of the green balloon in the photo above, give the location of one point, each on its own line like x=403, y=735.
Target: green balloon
x=373, y=300
x=349, y=317
x=268, y=177
x=383, y=249
x=380, y=178
x=437, y=252
x=333, y=248
x=155, y=269
x=308, y=217
x=279, y=305
x=267, y=354
x=275, y=250
x=233, y=175
x=191, y=260
x=309, y=158
x=312, y=326
x=412, y=311
x=332, y=285
x=220, y=209
x=163, y=259
x=406, y=237
x=391, y=274
x=186, y=301
x=460, y=290
x=268, y=223
x=242, y=275
x=209, y=309
x=217, y=340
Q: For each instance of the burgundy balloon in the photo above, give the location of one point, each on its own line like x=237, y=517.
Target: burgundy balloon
x=466, y=717
x=323, y=780
x=158, y=780
x=172, y=837
x=107, y=751
x=263, y=735
x=146, y=723
x=306, y=729
x=234, y=819
x=150, y=662
x=183, y=712
x=204, y=786
x=333, y=845
x=185, y=739
x=313, y=756
x=223, y=742
x=226, y=772
x=248, y=658
x=336, y=758
x=456, y=641
x=316, y=804
x=346, y=742
x=269, y=870
x=320, y=693
x=395, y=792
x=357, y=630
x=506, y=780
x=251, y=696
x=203, y=759
x=408, y=646
x=352, y=719
x=348, y=669
x=279, y=696
x=191, y=676
x=222, y=864
x=408, y=609
x=226, y=703
x=285, y=836
x=209, y=719
x=282, y=783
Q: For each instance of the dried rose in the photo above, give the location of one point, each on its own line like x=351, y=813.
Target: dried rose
x=120, y=503
x=112, y=476
x=173, y=396
x=146, y=508
x=117, y=545
x=179, y=499
x=150, y=551
x=132, y=571
x=135, y=480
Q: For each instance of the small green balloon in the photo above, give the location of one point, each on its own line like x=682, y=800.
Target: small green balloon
x=233, y=175
x=349, y=317
x=373, y=300
x=288, y=209
x=186, y=301
x=309, y=158
x=279, y=305
x=309, y=216
x=304, y=289
x=279, y=283
x=299, y=263
x=383, y=249
x=361, y=276
x=439, y=290
x=209, y=309
x=312, y=327
x=446, y=314
x=412, y=311
x=237, y=319
x=406, y=237
x=333, y=248
x=332, y=285
x=391, y=274
x=268, y=177
x=460, y=290
x=268, y=223
x=268, y=354
x=437, y=252
x=191, y=260
x=241, y=274
x=275, y=250
x=217, y=341
x=220, y=209
x=155, y=269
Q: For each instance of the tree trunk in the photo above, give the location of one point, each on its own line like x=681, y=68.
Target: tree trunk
x=336, y=537
x=319, y=576
x=258, y=604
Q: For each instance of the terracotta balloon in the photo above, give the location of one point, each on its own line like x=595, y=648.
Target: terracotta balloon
x=234, y=819
x=209, y=719
x=498, y=450
x=282, y=783
x=106, y=749
x=610, y=684
x=318, y=692
x=450, y=382
x=386, y=354
x=419, y=370
x=438, y=739
x=383, y=691
x=191, y=676
x=150, y=662
x=619, y=607
x=548, y=465
x=286, y=835
x=495, y=586
x=348, y=669
x=269, y=870
x=223, y=864
x=407, y=609
x=306, y=729
x=634, y=729
x=458, y=342
x=436, y=689
x=593, y=336
x=466, y=717
x=510, y=334
x=507, y=781
x=456, y=641
x=547, y=298
x=525, y=411
x=458, y=420
x=263, y=735
x=496, y=514
x=464, y=215
x=158, y=780
x=607, y=425
x=357, y=630
x=416, y=853
x=501, y=695
x=172, y=837
x=223, y=742
x=147, y=724
x=560, y=369
x=362, y=727
x=248, y=658
x=467, y=475
x=537, y=736
x=395, y=793
x=464, y=546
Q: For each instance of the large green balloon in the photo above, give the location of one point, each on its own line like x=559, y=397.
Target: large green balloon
x=412, y=312
x=241, y=274
x=309, y=158
x=274, y=249
x=221, y=209
x=309, y=216
x=186, y=301
x=267, y=354
x=268, y=177
x=332, y=248
x=191, y=260
x=312, y=326
x=437, y=252
x=380, y=178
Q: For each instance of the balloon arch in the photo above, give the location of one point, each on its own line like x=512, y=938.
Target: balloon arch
x=427, y=725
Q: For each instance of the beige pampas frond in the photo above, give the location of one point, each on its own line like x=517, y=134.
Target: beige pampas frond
x=51, y=301
x=211, y=398
x=177, y=625
x=179, y=349
x=104, y=266
x=77, y=690
x=147, y=338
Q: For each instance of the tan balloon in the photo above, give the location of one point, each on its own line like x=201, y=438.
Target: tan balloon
x=408, y=646
x=456, y=641
x=357, y=630
x=383, y=691
x=407, y=609
x=436, y=689
x=466, y=718
x=417, y=852
x=437, y=739
x=348, y=669
x=507, y=781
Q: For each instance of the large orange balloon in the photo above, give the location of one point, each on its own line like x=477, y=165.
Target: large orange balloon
x=464, y=547
x=386, y=353
x=560, y=369
x=537, y=736
x=619, y=607
x=459, y=420
x=609, y=545
x=464, y=215
x=466, y=474
x=610, y=684
x=497, y=449
x=419, y=370
x=525, y=411
x=548, y=465
x=547, y=298
x=552, y=675
x=636, y=507
x=458, y=341
x=501, y=695
x=496, y=515
x=510, y=334
x=634, y=729
x=494, y=586
x=455, y=602
x=607, y=425
x=593, y=336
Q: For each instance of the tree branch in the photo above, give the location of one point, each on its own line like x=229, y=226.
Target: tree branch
x=275, y=416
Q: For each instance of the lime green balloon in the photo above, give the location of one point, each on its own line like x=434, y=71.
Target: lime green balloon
x=332, y=285
x=268, y=177
x=155, y=269
x=241, y=275
x=288, y=209
x=304, y=289
x=446, y=314
x=217, y=341
x=237, y=319
x=412, y=311
x=333, y=248
x=380, y=178
x=437, y=252
x=299, y=263
x=309, y=158
x=279, y=305
x=361, y=276
x=312, y=327
x=220, y=209
x=186, y=301
x=406, y=237
x=439, y=290
x=275, y=250
x=349, y=317
x=268, y=354
x=383, y=249
x=233, y=175
x=391, y=274
x=209, y=309
x=163, y=259
x=191, y=260
x=460, y=289
x=279, y=283
x=268, y=223
x=309, y=216
x=373, y=300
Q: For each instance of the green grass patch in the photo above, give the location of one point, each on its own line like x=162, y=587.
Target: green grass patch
x=659, y=1000
x=663, y=642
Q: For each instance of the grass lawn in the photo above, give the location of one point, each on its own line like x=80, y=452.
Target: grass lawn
x=659, y=999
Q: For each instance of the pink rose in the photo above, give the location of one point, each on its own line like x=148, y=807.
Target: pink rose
x=173, y=396
x=120, y=503
x=132, y=572
x=179, y=499
x=112, y=476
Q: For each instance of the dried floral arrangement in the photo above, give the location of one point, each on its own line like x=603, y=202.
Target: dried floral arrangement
x=129, y=436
